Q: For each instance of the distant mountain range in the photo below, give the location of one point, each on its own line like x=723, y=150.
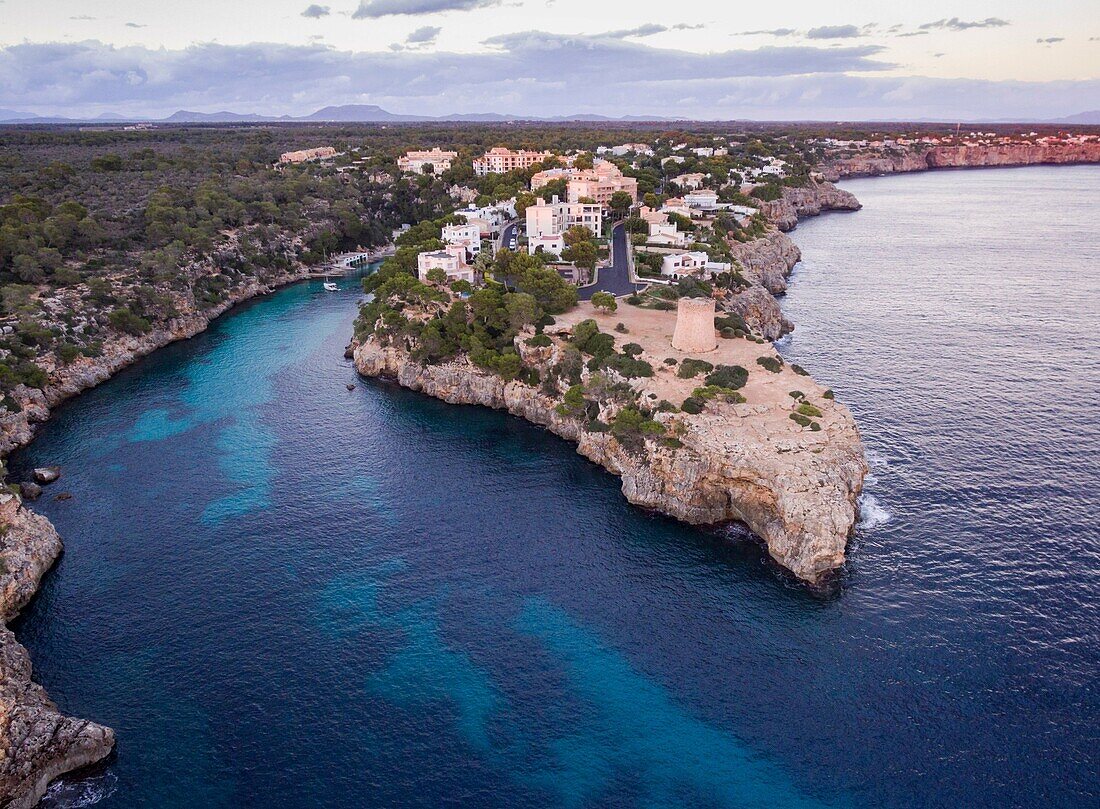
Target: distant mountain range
x=371, y=113
x=347, y=113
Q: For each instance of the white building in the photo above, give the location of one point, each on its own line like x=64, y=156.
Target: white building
x=417, y=162
x=555, y=217
x=666, y=234
x=690, y=182
x=467, y=235
x=549, y=243
x=449, y=260
x=498, y=160
x=490, y=218
x=626, y=148
x=694, y=263
x=702, y=200
x=678, y=206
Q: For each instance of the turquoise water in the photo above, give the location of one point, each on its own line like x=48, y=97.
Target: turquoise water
x=279, y=590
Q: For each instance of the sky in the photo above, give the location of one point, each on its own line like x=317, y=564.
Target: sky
x=704, y=59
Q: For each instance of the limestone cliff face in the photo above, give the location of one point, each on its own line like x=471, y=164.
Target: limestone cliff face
x=963, y=156
x=811, y=200
x=795, y=490
x=37, y=743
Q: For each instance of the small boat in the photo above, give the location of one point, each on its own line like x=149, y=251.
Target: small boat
x=330, y=286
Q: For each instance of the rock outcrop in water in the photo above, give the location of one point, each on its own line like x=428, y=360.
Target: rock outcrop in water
x=870, y=164
x=810, y=200
x=795, y=487
x=37, y=743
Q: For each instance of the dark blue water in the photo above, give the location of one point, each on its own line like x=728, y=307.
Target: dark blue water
x=280, y=591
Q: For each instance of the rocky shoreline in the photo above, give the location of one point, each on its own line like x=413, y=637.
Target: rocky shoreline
x=738, y=460
x=964, y=156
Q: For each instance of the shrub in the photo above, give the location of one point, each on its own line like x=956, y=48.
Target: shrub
x=796, y=394
x=815, y=426
x=621, y=328
x=807, y=409
x=693, y=405
x=693, y=367
x=635, y=300
x=799, y=419
x=828, y=394
x=728, y=333
x=773, y=364
x=628, y=366
x=538, y=341
x=798, y=369
x=605, y=301
x=670, y=360
x=126, y=321
x=713, y=391
x=733, y=377
x=664, y=306
x=632, y=349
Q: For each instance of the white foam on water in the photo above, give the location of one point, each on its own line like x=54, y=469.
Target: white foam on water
x=872, y=514
x=75, y=794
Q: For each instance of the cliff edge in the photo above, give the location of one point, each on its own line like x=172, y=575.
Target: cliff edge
x=37, y=743
x=682, y=443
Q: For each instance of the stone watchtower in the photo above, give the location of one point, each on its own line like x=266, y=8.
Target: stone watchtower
x=695, y=326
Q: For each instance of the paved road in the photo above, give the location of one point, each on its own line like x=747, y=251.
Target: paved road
x=506, y=235
x=616, y=278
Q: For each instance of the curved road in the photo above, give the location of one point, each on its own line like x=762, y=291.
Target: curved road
x=616, y=278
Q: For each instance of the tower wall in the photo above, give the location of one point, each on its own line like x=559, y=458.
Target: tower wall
x=695, y=325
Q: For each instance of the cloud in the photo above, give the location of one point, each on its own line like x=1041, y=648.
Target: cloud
x=83, y=18
x=1050, y=40
x=833, y=32
x=647, y=30
x=136, y=25
x=423, y=35
x=914, y=34
x=369, y=9
x=955, y=24
x=774, y=32
x=533, y=73
x=316, y=12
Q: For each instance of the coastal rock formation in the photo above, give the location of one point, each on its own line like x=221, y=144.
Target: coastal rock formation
x=37, y=743
x=765, y=263
x=870, y=164
x=761, y=312
x=795, y=488
x=810, y=200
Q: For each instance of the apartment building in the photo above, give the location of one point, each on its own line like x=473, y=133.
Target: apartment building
x=450, y=260
x=555, y=217
x=600, y=182
x=467, y=235
x=498, y=160
x=417, y=162
x=305, y=155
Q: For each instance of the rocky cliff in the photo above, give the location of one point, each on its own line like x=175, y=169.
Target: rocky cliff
x=963, y=156
x=810, y=200
x=766, y=262
x=37, y=743
x=795, y=487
